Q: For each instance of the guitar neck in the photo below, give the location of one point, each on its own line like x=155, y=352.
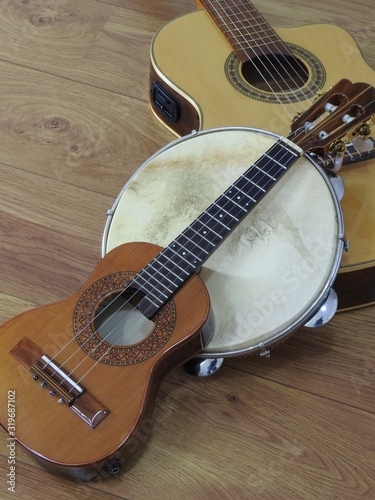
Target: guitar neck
x=245, y=29
x=163, y=276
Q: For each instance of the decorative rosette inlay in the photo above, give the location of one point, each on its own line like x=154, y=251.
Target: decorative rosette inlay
x=110, y=287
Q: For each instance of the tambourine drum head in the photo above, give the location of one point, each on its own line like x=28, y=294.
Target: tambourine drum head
x=270, y=275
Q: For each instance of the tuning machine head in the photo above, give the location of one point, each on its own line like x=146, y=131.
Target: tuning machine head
x=362, y=141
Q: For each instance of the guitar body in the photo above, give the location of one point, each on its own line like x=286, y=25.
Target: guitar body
x=193, y=62
x=189, y=57
x=124, y=382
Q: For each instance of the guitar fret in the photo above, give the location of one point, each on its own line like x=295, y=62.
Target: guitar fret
x=151, y=292
x=183, y=256
x=246, y=23
x=277, y=162
x=222, y=224
x=236, y=11
x=203, y=236
x=211, y=224
x=163, y=261
x=232, y=201
x=158, y=299
x=162, y=275
x=245, y=29
x=256, y=185
x=189, y=240
x=220, y=215
x=258, y=42
x=244, y=194
x=225, y=211
x=150, y=289
x=171, y=262
x=264, y=172
x=243, y=184
x=258, y=178
x=211, y=231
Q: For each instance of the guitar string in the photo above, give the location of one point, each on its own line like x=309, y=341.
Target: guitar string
x=270, y=41
x=177, y=266
x=286, y=59
x=298, y=131
x=266, y=56
x=107, y=335
x=87, y=326
x=263, y=77
x=89, y=338
x=114, y=343
x=291, y=90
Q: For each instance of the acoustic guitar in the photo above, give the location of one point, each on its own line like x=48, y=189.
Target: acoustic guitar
x=85, y=371
x=224, y=65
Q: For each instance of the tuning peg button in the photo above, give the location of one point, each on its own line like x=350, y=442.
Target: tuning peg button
x=363, y=145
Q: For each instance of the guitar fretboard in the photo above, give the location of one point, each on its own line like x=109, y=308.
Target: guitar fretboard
x=245, y=29
x=165, y=274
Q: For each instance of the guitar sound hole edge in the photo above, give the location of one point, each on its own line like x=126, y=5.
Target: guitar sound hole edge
x=275, y=73
x=118, y=322
x=250, y=82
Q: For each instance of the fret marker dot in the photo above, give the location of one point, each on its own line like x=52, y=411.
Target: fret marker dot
x=220, y=215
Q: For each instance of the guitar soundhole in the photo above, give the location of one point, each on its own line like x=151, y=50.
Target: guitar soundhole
x=118, y=322
x=277, y=79
x=275, y=73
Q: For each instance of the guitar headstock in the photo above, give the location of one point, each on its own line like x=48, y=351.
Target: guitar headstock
x=338, y=116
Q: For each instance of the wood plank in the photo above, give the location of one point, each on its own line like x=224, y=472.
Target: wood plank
x=87, y=41
x=336, y=361
x=72, y=132
x=235, y=436
x=50, y=36
x=75, y=123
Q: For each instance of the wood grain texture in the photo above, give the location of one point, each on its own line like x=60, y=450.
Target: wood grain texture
x=75, y=124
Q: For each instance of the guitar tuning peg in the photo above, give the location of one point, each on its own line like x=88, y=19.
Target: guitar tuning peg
x=337, y=148
x=363, y=145
x=362, y=141
x=337, y=162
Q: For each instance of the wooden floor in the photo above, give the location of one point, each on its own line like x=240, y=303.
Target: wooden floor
x=75, y=123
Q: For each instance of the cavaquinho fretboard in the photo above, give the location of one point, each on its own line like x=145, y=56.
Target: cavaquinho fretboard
x=164, y=275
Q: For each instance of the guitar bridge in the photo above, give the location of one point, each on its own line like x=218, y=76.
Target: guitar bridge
x=53, y=377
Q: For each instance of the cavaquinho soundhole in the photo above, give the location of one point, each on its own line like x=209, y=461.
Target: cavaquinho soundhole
x=109, y=327
x=277, y=78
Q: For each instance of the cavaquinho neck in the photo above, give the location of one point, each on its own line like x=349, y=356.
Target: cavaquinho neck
x=174, y=265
